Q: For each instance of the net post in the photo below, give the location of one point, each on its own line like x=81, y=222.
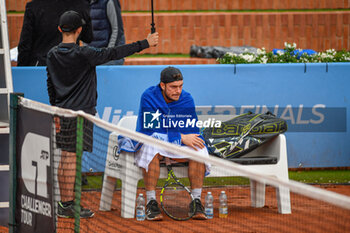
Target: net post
x=77, y=186
x=12, y=160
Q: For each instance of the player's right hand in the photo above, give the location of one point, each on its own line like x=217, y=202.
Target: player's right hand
x=152, y=39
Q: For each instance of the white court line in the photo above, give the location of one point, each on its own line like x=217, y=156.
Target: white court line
x=4, y=167
x=4, y=204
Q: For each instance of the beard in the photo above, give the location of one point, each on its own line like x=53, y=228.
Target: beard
x=171, y=98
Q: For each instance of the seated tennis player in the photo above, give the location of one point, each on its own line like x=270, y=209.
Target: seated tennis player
x=162, y=109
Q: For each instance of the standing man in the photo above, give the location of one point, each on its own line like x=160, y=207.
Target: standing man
x=72, y=84
x=39, y=31
x=167, y=102
x=107, y=24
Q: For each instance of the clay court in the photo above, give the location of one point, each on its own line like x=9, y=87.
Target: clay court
x=307, y=215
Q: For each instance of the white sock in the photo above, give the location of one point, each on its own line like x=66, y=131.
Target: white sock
x=151, y=195
x=197, y=193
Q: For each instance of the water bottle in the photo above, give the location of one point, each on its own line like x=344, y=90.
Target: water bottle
x=209, y=209
x=140, y=208
x=223, y=211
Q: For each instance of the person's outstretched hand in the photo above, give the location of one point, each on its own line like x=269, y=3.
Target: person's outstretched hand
x=192, y=140
x=152, y=39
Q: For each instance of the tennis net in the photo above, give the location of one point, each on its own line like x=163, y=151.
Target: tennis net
x=88, y=167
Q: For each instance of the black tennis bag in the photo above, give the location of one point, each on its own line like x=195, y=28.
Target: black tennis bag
x=242, y=134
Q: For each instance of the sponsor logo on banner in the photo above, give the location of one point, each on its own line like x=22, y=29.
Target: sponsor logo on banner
x=35, y=161
x=316, y=118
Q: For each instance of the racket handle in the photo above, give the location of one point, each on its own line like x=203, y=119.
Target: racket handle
x=153, y=29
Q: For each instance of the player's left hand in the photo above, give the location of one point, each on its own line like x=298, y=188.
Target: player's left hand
x=193, y=141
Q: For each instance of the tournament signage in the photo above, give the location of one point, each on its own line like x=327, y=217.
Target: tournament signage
x=34, y=199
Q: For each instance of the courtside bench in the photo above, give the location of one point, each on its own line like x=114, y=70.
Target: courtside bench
x=123, y=167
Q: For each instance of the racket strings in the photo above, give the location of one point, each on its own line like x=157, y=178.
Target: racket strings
x=176, y=201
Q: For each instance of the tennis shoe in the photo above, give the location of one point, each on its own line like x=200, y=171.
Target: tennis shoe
x=66, y=210
x=199, y=213
x=153, y=212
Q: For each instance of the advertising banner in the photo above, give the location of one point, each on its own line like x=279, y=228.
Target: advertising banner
x=34, y=198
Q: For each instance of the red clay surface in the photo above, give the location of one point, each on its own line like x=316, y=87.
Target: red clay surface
x=307, y=215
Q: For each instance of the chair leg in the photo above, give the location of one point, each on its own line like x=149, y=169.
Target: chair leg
x=129, y=190
x=283, y=200
x=107, y=193
x=257, y=192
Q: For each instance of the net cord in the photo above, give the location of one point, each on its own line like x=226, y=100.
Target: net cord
x=333, y=198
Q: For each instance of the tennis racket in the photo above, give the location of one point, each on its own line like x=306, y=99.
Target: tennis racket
x=245, y=131
x=175, y=198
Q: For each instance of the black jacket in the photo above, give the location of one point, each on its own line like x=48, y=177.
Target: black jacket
x=71, y=73
x=103, y=26
x=40, y=33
